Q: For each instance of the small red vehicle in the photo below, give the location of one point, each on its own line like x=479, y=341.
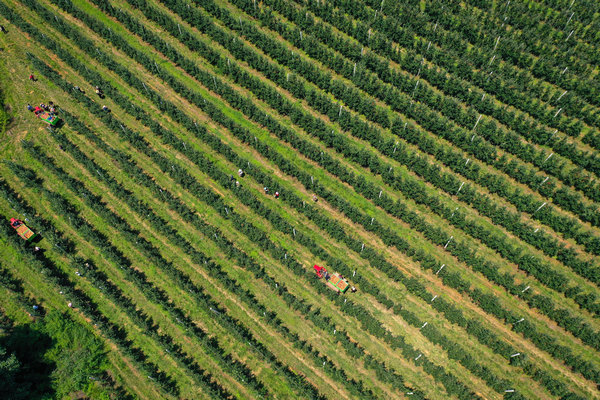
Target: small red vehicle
x=22, y=229
x=334, y=281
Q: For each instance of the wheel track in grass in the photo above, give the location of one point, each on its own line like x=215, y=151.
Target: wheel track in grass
x=482, y=59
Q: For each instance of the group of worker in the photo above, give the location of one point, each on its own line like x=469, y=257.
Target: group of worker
x=50, y=108
x=266, y=189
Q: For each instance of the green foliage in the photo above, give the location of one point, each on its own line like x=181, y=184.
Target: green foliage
x=76, y=353
x=9, y=370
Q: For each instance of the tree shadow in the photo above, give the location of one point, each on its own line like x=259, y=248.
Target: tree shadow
x=32, y=380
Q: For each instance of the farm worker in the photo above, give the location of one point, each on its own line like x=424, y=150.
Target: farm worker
x=266, y=189
x=2, y=29
x=29, y=107
x=240, y=172
x=31, y=77
x=276, y=195
x=314, y=197
x=104, y=108
x=237, y=183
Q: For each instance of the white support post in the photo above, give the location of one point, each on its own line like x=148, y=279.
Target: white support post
x=448, y=242
x=477, y=123
x=461, y=186
x=560, y=97
x=558, y=112
x=539, y=208
x=569, y=35
x=441, y=268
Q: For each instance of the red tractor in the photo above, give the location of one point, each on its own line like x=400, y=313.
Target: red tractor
x=334, y=281
x=22, y=229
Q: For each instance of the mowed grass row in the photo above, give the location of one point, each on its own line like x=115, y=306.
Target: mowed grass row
x=424, y=24
x=395, y=74
x=57, y=296
x=17, y=315
x=398, y=97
